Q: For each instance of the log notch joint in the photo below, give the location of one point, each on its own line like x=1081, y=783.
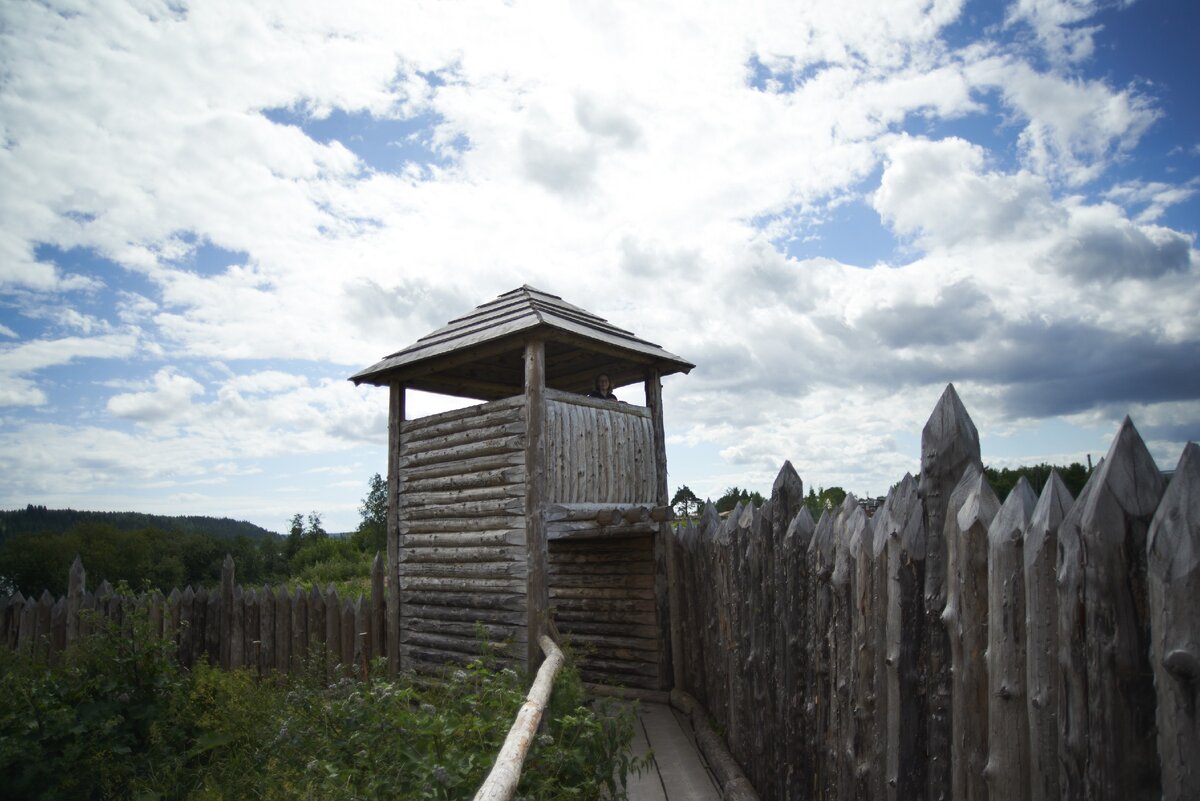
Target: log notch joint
x=538, y=503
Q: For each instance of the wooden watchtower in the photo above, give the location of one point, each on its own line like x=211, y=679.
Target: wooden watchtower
x=540, y=502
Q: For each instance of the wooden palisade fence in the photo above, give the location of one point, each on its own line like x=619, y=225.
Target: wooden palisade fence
x=267, y=629
x=950, y=646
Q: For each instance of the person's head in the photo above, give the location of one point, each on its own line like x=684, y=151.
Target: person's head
x=603, y=384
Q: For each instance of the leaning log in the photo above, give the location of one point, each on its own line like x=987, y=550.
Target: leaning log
x=501, y=783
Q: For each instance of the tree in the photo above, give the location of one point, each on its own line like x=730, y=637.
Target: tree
x=733, y=496
x=685, y=501
x=371, y=535
x=821, y=500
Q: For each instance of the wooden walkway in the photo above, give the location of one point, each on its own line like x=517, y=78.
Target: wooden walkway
x=679, y=772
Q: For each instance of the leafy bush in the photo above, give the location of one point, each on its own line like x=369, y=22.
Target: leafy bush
x=117, y=718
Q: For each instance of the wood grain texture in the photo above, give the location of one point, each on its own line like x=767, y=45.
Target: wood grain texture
x=1173, y=555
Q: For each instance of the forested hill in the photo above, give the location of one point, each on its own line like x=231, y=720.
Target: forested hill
x=40, y=520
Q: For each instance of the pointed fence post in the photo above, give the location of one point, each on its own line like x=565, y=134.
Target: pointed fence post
x=949, y=443
x=907, y=710
x=1007, y=771
x=1173, y=546
x=1041, y=636
x=1107, y=701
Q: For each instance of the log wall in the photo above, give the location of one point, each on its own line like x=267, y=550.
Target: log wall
x=598, y=451
x=1069, y=666
x=462, y=568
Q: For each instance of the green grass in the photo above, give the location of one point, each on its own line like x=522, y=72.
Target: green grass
x=116, y=718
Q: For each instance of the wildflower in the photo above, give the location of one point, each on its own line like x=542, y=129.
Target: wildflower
x=545, y=740
x=440, y=775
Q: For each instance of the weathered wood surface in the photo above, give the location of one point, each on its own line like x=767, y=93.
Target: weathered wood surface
x=501, y=783
x=600, y=454
x=972, y=507
x=1041, y=636
x=905, y=766
x=821, y=681
x=1108, y=718
x=262, y=629
x=461, y=532
x=1007, y=771
x=1173, y=569
x=949, y=443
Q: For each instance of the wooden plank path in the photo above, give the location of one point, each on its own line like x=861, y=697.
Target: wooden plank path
x=679, y=772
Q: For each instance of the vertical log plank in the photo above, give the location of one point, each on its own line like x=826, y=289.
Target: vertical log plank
x=227, y=587
x=949, y=443
x=1041, y=637
x=394, y=610
x=537, y=598
x=333, y=620
x=1007, y=771
x=662, y=593
x=266, y=630
x=1173, y=546
x=907, y=711
x=972, y=508
x=283, y=629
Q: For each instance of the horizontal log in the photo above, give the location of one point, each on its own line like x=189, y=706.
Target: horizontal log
x=615, y=581
x=558, y=396
x=468, y=573
x=453, y=498
x=601, y=594
x=479, y=479
x=589, y=559
x=623, y=617
x=462, y=645
x=630, y=542
x=460, y=555
x=610, y=645
x=465, y=539
x=622, y=680
x=456, y=524
x=507, y=600
x=466, y=628
x=469, y=436
x=415, y=583
x=465, y=467
x=450, y=428
x=459, y=453
x=491, y=616
x=642, y=567
x=595, y=664
x=586, y=531
x=502, y=506
x=515, y=404
x=584, y=626
x=590, y=511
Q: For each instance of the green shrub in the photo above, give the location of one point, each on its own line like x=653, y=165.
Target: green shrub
x=116, y=718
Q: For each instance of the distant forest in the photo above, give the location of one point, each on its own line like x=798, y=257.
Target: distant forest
x=40, y=520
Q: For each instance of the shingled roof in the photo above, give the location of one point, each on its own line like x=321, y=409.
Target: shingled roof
x=480, y=355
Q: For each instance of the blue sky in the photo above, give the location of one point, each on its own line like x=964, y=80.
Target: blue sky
x=211, y=215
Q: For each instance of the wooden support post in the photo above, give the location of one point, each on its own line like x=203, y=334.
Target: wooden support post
x=75, y=588
x=667, y=637
x=394, y=612
x=537, y=590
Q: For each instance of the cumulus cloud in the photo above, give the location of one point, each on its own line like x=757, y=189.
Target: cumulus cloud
x=942, y=194
x=171, y=397
x=660, y=167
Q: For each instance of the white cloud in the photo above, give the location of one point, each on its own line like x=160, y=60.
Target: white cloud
x=18, y=361
x=1059, y=25
x=170, y=398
